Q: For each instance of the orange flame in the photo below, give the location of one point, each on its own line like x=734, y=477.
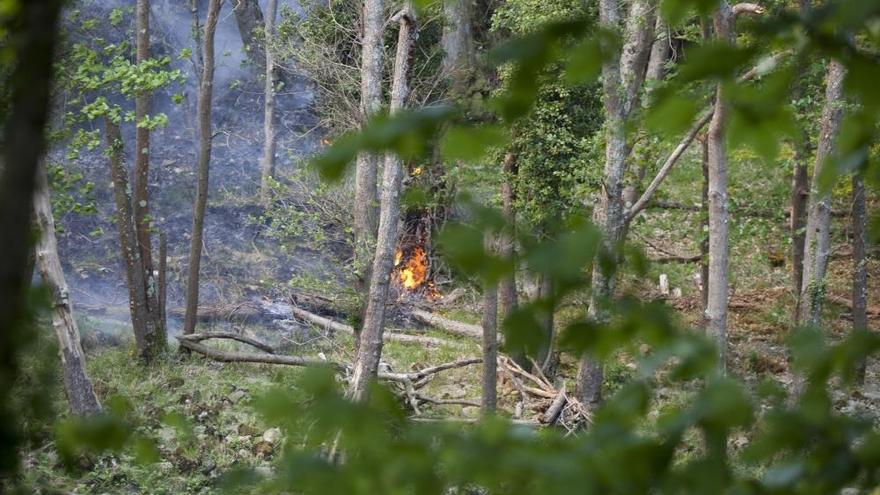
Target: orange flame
x=414, y=272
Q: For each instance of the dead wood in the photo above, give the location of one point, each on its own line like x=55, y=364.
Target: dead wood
x=847, y=303
x=198, y=337
x=447, y=325
x=250, y=357
x=335, y=326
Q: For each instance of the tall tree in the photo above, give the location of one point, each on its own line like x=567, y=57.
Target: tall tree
x=365, y=192
x=31, y=35
x=622, y=77
x=142, y=324
x=267, y=164
x=490, y=339
x=458, y=40
x=717, y=281
x=141, y=195
x=860, y=262
x=249, y=18
x=77, y=385
x=817, y=242
x=800, y=185
x=206, y=92
x=507, y=296
x=370, y=348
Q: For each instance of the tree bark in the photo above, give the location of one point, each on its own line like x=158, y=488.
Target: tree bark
x=490, y=341
x=206, y=90
x=656, y=70
x=370, y=348
x=77, y=385
x=622, y=78
x=800, y=193
x=507, y=296
x=141, y=195
x=31, y=37
x=704, y=229
x=249, y=18
x=365, y=193
x=717, y=281
x=267, y=164
x=860, y=263
x=457, y=41
x=817, y=242
x=141, y=322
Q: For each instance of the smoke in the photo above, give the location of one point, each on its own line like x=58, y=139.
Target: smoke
x=234, y=267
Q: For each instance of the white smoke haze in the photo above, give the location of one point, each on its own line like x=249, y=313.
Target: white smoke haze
x=236, y=260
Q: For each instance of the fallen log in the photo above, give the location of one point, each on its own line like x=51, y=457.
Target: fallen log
x=552, y=413
x=451, y=326
x=251, y=357
x=847, y=303
x=335, y=326
x=198, y=337
x=191, y=342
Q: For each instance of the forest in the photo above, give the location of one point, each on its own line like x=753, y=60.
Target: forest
x=440, y=247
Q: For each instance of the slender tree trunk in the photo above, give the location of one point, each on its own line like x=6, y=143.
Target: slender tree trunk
x=704, y=230
x=507, y=296
x=716, y=304
x=142, y=324
x=622, y=78
x=163, y=279
x=80, y=394
x=370, y=348
x=143, y=222
x=800, y=193
x=206, y=90
x=31, y=36
x=490, y=340
x=817, y=243
x=365, y=193
x=249, y=18
x=457, y=41
x=545, y=353
x=860, y=263
x=267, y=164
x=656, y=70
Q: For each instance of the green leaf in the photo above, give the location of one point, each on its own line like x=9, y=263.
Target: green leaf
x=470, y=144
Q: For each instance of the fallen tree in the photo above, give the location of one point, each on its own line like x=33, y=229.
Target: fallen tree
x=335, y=326
x=445, y=324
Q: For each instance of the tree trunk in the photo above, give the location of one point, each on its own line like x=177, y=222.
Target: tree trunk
x=507, y=296
x=817, y=243
x=704, y=230
x=365, y=193
x=799, y=195
x=267, y=164
x=141, y=195
x=31, y=36
x=717, y=281
x=80, y=394
x=370, y=348
x=545, y=355
x=457, y=41
x=490, y=341
x=163, y=280
x=622, y=78
x=142, y=324
x=860, y=263
x=656, y=70
x=206, y=90
x=249, y=18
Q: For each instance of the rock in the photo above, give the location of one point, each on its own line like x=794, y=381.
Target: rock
x=262, y=449
x=237, y=396
x=242, y=453
x=676, y=292
x=664, y=284
x=246, y=429
x=272, y=436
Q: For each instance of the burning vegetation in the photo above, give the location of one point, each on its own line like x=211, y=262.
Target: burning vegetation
x=411, y=272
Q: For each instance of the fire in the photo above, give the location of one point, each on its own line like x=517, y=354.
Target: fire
x=414, y=272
